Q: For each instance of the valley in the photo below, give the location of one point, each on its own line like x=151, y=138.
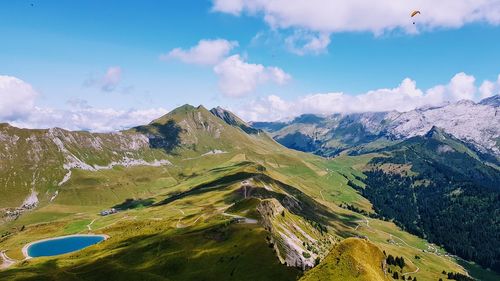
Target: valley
x=200, y=195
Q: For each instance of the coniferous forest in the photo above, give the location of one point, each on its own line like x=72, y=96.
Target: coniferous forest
x=440, y=200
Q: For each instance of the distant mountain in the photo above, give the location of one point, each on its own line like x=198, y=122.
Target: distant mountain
x=493, y=101
x=477, y=124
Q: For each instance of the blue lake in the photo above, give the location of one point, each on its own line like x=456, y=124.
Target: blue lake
x=62, y=245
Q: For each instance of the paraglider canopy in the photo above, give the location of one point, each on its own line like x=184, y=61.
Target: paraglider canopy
x=414, y=13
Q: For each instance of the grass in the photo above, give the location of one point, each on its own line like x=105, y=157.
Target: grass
x=396, y=242
x=188, y=238
x=76, y=226
x=352, y=259
x=146, y=250
x=194, y=213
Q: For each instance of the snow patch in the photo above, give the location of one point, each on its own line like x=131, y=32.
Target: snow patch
x=467, y=121
x=31, y=201
x=54, y=196
x=444, y=148
x=65, y=179
x=129, y=162
x=212, y=152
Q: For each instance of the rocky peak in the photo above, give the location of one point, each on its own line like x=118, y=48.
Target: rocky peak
x=233, y=120
x=435, y=133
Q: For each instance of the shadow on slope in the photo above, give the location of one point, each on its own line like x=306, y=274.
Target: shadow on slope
x=130, y=203
x=237, y=252
x=290, y=197
x=162, y=136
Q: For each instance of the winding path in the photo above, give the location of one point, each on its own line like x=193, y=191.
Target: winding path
x=413, y=272
x=391, y=237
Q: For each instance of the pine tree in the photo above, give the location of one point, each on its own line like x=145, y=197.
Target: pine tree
x=390, y=260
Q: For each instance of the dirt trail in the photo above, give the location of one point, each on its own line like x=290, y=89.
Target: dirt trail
x=117, y=221
x=90, y=224
x=392, y=238
x=413, y=272
x=321, y=193
x=7, y=262
x=245, y=219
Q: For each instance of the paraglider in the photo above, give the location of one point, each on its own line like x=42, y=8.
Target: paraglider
x=414, y=13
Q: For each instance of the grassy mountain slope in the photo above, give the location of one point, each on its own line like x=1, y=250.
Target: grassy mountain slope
x=35, y=162
x=236, y=205
x=352, y=259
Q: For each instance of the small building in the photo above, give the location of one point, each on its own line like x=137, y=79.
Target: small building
x=108, y=212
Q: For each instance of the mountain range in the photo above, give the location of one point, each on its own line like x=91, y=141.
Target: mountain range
x=474, y=123
x=202, y=195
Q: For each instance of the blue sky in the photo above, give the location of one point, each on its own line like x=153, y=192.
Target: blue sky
x=63, y=50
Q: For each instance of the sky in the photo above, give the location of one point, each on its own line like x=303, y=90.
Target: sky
x=108, y=65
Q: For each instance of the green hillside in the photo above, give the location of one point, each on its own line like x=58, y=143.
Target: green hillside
x=352, y=259
x=199, y=198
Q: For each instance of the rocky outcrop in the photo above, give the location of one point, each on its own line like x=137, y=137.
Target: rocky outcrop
x=295, y=241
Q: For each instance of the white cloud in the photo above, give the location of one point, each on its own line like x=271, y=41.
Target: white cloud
x=406, y=96
x=111, y=78
x=361, y=15
x=206, y=52
x=462, y=87
x=377, y=17
x=17, y=98
x=88, y=118
x=489, y=88
x=18, y=107
x=108, y=82
x=238, y=78
x=78, y=103
x=303, y=42
x=229, y=6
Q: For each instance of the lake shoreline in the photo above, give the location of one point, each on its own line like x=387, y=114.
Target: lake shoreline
x=26, y=247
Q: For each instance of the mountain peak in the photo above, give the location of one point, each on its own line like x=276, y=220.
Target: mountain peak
x=179, y=111
x=435, y=133
x=186, y=106
x=493, y=101
x=465, y=102
x=308, y=119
